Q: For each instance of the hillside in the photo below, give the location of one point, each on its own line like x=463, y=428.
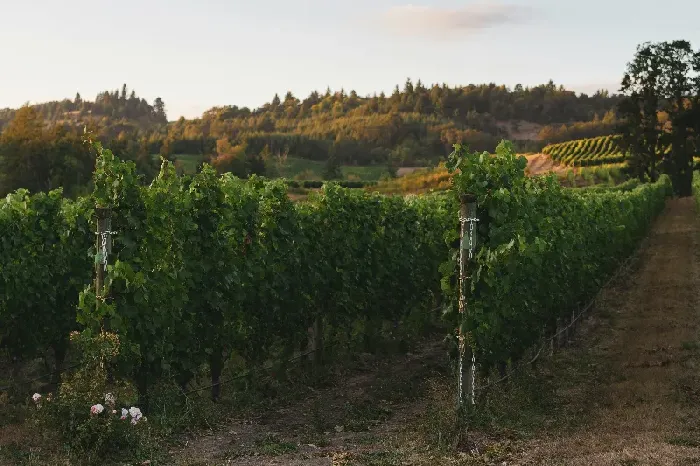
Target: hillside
x=414, y=126
x=330, y=135
x=416, y=122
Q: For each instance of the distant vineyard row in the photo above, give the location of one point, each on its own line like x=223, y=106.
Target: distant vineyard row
x=587, y=152
x=602, y=150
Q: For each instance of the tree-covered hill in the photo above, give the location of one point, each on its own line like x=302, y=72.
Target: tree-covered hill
x=414, y=126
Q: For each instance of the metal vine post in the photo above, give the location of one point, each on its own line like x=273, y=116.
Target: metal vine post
x=467, y=243
x=104, y=247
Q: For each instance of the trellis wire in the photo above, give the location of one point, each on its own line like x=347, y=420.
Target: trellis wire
x=268, y=367
x=619, y=271
x=35, y=379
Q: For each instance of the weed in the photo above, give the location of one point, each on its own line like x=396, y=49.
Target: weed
x=317, y=439
x=374, y=458
x=683, y=441
x=360, y=416
x=271, y=445
x=690, y=345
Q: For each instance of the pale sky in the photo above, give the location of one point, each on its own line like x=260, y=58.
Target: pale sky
x=204, y=53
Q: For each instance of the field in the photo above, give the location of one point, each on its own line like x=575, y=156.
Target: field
x=416, y=180
x=292, y=168
x=224, y=302
x=419, y=181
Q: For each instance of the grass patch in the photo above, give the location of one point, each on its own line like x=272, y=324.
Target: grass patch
x=688, y=389
x=14, y=454
x=683, y=441
x=556, y=397
x=360, y=416
x=366, y=173
x=317, y=439
x=185, y=163
x=293, y=168
x=302, y=169
x=271, y=445
x=690, y=345
x=374, y=458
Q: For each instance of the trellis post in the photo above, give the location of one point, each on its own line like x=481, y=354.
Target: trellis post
x=104, y=247
x=467, y=246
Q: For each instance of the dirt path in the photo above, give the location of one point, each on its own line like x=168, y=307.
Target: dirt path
x=647, y=410
x=538, y=164
x=355, y=414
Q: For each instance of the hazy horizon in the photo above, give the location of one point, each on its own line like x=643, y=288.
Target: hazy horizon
x=214, y=53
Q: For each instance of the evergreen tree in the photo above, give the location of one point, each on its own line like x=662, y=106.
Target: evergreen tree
x=332, y=171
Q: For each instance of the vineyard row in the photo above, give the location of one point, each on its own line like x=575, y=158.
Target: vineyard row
x=587, y=152
x=205, y=270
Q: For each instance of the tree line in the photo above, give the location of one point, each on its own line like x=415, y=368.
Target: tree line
x=414, y=126
x=109, y=107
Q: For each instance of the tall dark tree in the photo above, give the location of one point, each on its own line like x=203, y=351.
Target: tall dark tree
x=641, y=133
x=159, y=108
x=661, y=78
x=678, y=87
x=332, y=171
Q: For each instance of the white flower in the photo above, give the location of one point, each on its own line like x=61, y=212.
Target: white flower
x=114, y=411
x=109, y=399
x=36, y=397
x=125, y=413
x=135, y=413
x=97, y=409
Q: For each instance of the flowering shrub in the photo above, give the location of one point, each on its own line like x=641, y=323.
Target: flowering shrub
x=84, y=411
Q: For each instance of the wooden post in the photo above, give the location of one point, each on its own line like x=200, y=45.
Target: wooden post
x=467, y=246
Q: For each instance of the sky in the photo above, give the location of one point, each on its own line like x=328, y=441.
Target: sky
x=203, y=53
